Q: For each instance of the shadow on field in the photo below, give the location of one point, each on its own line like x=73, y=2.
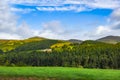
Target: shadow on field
x=31, y=78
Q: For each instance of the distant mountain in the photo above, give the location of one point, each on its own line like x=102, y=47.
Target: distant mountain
x=110, y=39
x=75, y=41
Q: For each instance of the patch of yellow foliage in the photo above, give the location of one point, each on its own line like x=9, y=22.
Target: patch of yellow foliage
x=60, y=44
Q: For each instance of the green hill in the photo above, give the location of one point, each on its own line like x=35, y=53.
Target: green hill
x=33, y=43
x=37, y=51
x=37, y=45
x=40, y=43
x=7, y=45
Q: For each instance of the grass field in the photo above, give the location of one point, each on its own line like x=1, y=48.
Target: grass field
x=57, y=73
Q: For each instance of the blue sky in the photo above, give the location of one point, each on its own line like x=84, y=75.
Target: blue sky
x=59, y=19
x=70, y=18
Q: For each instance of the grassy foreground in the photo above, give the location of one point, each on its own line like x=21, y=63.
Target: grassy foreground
x=57, y=73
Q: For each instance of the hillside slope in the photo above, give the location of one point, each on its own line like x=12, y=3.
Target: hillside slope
x=33, y=43
x=7, y=45
x=110, y=39
x=75, y=41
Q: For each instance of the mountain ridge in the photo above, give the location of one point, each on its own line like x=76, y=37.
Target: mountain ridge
x=37, y=38
x=110, y=39
x=75, y=40
x=8, y=45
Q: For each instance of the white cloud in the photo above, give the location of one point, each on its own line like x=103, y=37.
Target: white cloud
x=115, y=25
x=9, y=36
x=53, y=26
x=25, y=31
x=62, y=8
x=102, y=30
x=37, y=2
x=115, y=19
x=52, y=29
x=8, y=24
x=112, y=28
x=7, y=19
x=26, y=10
x=115, y=15
x=67, y=5
x=108, y=4
x=56, y=30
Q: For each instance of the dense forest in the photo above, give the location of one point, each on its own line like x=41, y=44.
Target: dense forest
x=88, y=54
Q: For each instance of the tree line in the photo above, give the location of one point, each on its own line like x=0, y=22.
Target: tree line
x=88, y=54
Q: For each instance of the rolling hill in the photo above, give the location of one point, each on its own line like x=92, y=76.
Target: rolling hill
x=29, y=43
x=7, y=45
x=37, y=51
x=37, y=45
x=110, y=39
x=75, y=41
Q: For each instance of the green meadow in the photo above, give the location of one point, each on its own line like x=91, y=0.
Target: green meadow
x=57, y=73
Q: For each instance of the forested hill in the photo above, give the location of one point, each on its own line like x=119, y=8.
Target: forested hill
x=8, y=45
x=48, y=52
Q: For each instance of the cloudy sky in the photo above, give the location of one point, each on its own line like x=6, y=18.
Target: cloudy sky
x=59, y=19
